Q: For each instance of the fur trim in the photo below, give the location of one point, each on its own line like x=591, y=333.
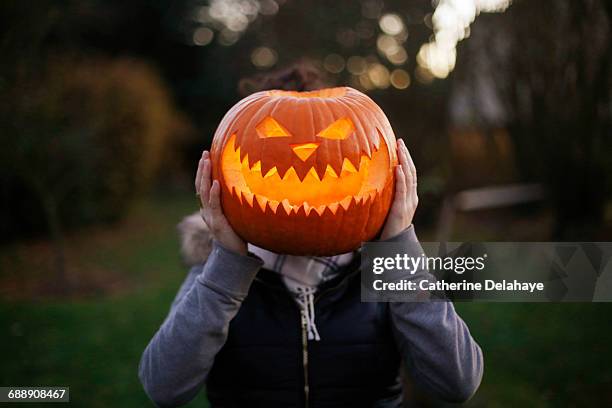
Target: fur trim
x=196, y=240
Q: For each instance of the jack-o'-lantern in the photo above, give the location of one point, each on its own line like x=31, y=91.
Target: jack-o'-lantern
x=305, y=173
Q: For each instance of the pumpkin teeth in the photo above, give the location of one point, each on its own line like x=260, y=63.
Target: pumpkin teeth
x=329, y=171
x=335, y=181
x=367, y=151
x=244, y=160
x=307, y=208
x=266, y=168
x=355, y=160
x=313, y=173
x=289, y=174
x=347, y=168
x=257, y=166
x=287, y=206
x=271, y=172
x=350, y=164
x=273, y=204
x=373, y=194
x=333, y=207
x=249, y=197
x=282, y=173
x=321, y=209
x=346, y=202
x=263, y=203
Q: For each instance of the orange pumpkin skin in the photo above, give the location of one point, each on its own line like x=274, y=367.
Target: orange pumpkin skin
x=305, y=173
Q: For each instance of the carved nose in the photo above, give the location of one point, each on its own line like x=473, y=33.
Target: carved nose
x=305, y=150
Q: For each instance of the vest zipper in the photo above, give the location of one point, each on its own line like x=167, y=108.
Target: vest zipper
x=305, y=327
x=305, y=357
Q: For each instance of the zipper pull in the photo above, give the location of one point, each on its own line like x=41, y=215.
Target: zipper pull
x=305, y=357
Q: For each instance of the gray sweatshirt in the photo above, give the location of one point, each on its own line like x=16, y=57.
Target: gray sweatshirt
x=435, y=343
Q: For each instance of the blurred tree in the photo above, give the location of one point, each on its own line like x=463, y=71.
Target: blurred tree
x=80, y=136
x=80, y=140
x=546, y=65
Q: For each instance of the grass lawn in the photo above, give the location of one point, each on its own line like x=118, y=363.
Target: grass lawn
x=93, y=344
x=537, y=355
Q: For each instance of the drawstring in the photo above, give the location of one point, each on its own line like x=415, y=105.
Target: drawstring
x=302, y=275
x=305, y=299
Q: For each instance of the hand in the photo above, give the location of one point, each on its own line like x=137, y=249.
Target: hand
x=405, y=201
x=210, y=208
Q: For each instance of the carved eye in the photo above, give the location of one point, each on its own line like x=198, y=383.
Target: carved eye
x=271, y=128
x=339, y=130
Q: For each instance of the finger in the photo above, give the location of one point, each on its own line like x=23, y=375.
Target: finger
x=403, y=159
x=410, y=181
x=205, y=183
x=402, y=156
x=400, y=184
x=410, y=162
x=399, y=151
x=216, y=213
x=409, y=168
x=215, y=198
x=198, y=177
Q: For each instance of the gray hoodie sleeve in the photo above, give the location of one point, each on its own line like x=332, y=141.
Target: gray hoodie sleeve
x=435, y=342
x=175, y=364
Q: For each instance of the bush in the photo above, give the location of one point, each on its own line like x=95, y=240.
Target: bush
x=81, y=138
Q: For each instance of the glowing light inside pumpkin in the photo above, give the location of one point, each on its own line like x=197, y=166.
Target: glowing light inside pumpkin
x=313, y=192
x=304, y=150
x=271, y=128
x=339, y=130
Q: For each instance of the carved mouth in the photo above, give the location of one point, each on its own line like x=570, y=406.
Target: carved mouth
x=312, y=192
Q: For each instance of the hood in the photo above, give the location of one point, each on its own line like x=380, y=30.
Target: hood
x=196, y=239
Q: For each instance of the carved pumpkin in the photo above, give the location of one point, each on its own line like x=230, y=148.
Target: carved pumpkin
x=305, y=173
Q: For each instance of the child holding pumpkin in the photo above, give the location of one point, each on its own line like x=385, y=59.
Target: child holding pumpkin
x=263, y=329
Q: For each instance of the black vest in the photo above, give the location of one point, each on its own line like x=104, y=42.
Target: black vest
x=267, y=362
